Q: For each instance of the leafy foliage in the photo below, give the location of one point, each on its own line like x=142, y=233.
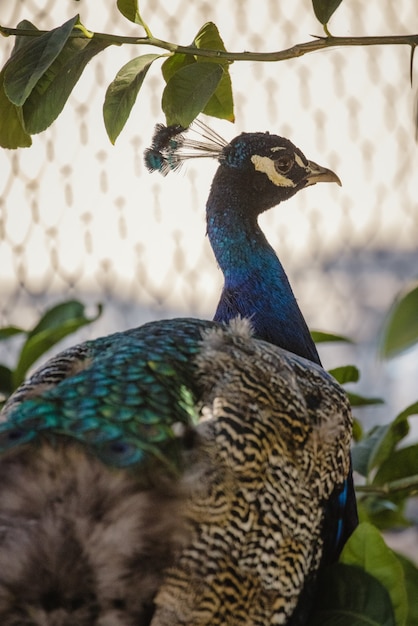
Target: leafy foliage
x=58, y=322
x=44, y=67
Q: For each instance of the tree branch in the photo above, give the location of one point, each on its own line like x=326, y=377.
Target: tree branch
x=298, y=50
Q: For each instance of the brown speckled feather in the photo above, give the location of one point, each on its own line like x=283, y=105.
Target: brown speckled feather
x=277, y=436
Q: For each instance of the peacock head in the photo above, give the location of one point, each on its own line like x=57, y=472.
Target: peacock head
x=262, y=168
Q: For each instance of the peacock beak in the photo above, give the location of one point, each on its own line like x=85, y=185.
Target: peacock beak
x=317, y=174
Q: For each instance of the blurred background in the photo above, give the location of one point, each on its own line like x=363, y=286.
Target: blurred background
x=80, y=218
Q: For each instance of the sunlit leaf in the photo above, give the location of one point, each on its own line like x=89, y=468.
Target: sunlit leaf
x=122, y=93
x=324, y=9
x=345, y=374
x=366, y=548
x=30, y=62
x=349, y=596
x=188, y=92
x=320, y=337
x=401, y=329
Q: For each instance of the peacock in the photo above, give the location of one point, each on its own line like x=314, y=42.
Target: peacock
x=256, y=172
x=181, y=473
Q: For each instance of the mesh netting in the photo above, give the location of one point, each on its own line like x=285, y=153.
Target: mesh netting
x=82, y=218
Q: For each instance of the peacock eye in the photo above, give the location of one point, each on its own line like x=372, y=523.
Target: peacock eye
x=284, y=163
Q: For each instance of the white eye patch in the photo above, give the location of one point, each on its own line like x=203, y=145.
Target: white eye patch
x=266, y=165
x=300, y=162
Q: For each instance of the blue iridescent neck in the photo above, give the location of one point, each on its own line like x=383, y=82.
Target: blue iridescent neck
x=256, y=285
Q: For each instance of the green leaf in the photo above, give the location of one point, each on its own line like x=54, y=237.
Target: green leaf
x=357, y=400
x=6, y=380
x=53, y=89
x=358, y=433
x=401, y=328
x=188, y=92
x=10, y=331
x=411, y=583
x=122, y=93
x=12, y=132
x=31, y=61
x=391, y=435
x=23, y=40
x=174, y=63
x=221, y=104
x=345, y=374
x=382, y=513
x=209, y=38
x=324, y=9
x=379, y=444
x=367, y=549
x=129, y=9
x=57, y=323
x=58, y=315
x=320, y=337
x=349, y=596
x=362, y=451
x=402, y=463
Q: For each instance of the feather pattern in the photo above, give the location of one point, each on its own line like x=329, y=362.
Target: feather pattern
x=270, y=444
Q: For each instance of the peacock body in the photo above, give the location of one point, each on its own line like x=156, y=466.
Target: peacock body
x=189, y=461
x=222, y=521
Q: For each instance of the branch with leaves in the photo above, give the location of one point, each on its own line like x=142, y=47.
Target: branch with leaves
x=44, y=67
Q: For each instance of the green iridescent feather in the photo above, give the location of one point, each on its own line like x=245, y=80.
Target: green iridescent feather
x=131, y=388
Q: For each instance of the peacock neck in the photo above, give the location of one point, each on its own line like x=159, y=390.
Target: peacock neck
x=255, y=283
